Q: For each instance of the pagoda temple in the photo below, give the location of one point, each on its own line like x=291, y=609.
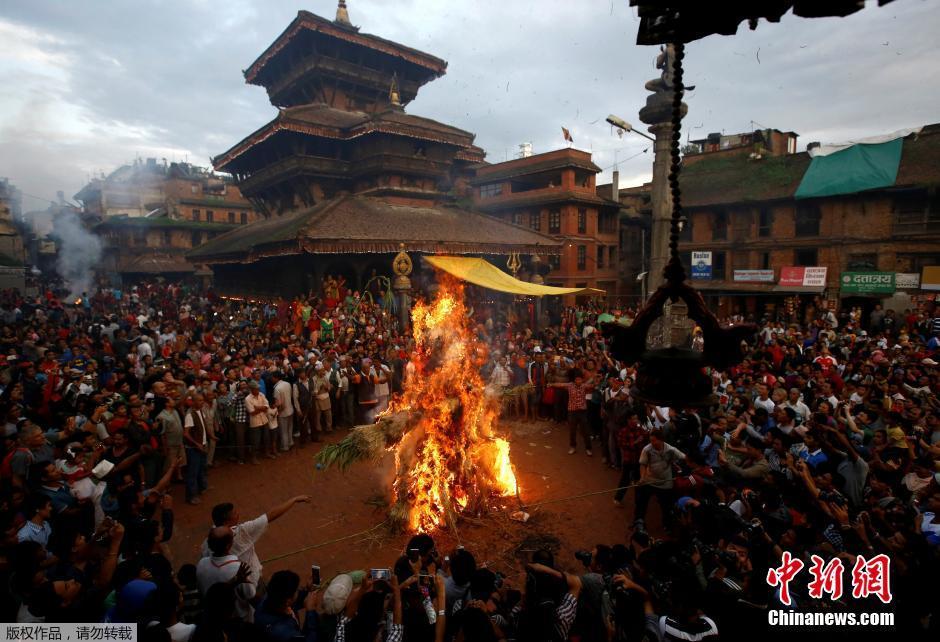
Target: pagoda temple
x=344, y=176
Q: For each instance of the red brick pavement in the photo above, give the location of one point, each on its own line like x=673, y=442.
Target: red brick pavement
x=340, y=507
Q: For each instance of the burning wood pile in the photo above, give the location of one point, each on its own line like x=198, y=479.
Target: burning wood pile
x=442, y=432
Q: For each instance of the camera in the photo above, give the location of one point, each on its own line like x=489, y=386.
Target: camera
x=584, y=557
x=754, y=528
x=380, y=574
x=725, y=558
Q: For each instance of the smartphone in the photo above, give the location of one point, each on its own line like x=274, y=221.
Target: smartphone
x=414, y=554
x=315, y=575
x=381, y=574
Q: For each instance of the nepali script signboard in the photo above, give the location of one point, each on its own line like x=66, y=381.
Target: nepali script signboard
x=867, y=282
x=906, y=280
x=803, y=276
x=701, y=265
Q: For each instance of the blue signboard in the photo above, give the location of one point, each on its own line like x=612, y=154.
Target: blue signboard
x=701, y=265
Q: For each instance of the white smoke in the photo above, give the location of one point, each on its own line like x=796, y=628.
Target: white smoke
x=79, y=252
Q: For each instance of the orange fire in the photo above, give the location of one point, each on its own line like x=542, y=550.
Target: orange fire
x=454, y=461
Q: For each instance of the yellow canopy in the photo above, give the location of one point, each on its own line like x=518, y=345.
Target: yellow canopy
x=487, y=275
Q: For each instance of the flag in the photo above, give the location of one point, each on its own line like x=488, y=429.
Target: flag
x=567, y=134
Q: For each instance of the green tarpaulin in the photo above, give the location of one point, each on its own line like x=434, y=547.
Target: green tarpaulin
x=851, y=170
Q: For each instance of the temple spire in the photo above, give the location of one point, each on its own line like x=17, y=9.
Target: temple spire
x=342, y=15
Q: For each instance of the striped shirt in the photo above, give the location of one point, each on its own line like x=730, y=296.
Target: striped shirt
x=564, y=615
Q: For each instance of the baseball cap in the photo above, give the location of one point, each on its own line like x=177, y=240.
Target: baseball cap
x=337, y=594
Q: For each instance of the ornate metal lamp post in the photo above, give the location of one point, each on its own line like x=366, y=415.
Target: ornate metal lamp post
x=402, y=267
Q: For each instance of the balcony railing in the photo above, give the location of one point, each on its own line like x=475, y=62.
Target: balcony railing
x=293, y=166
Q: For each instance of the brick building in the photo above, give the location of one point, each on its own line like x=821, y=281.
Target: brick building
x=743, y=216
x=12, y=253
x=149, y=214
x=635, y=218
x=181, y=190
x=555, y=193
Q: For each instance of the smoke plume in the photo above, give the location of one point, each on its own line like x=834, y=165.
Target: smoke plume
x=79, y=254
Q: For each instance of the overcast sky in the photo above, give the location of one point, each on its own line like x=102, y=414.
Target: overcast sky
x=88, y=86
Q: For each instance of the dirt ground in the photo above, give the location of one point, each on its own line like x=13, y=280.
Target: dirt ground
x=342, y=528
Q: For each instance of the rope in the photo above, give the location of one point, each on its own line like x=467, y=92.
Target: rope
x=453, y=525
x=326, y=543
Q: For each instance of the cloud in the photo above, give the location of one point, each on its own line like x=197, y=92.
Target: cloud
x=98, y=84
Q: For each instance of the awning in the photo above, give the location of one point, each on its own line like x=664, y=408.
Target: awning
x=487, y=275
x=800, y=289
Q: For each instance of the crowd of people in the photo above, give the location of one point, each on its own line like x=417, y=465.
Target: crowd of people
x=824, y=441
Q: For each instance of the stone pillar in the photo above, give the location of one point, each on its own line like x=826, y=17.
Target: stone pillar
x=661, y=201
x=658, y=114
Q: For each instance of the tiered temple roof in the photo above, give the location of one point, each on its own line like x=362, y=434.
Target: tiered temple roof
x=343, y=168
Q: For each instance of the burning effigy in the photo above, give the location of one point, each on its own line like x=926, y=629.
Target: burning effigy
x=442, y=431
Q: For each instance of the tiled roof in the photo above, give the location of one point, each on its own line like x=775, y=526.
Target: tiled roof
x=545, y=196
x=313, y=22
x=155, y=264
x=502, y=171
x=322, y=114
x=163, y=222
x=738, y=179
x=358, y=224
x=328, y=122
x=920, y=158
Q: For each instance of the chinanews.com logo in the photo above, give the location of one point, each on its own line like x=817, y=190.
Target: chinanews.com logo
x=870, y=579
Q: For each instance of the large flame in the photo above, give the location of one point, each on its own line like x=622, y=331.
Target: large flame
x=455, y=462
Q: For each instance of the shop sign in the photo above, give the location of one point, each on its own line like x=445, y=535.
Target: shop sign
x=867, y=283
x=793, y=276
x=701, y=265
x=754, y=276
x=930, y=278
x=906, y=280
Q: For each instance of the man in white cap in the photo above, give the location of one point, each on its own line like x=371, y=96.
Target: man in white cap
x=337, y=594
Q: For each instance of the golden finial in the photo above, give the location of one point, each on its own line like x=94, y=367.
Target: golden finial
x=394, y=97
x=342, y=15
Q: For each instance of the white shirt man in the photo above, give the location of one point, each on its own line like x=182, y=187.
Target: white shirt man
x=797, y=406
x=246, y=534
x=144, y=349
x=765, y=403
x=283, y=397
x=256, y=405
x=222, y=568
